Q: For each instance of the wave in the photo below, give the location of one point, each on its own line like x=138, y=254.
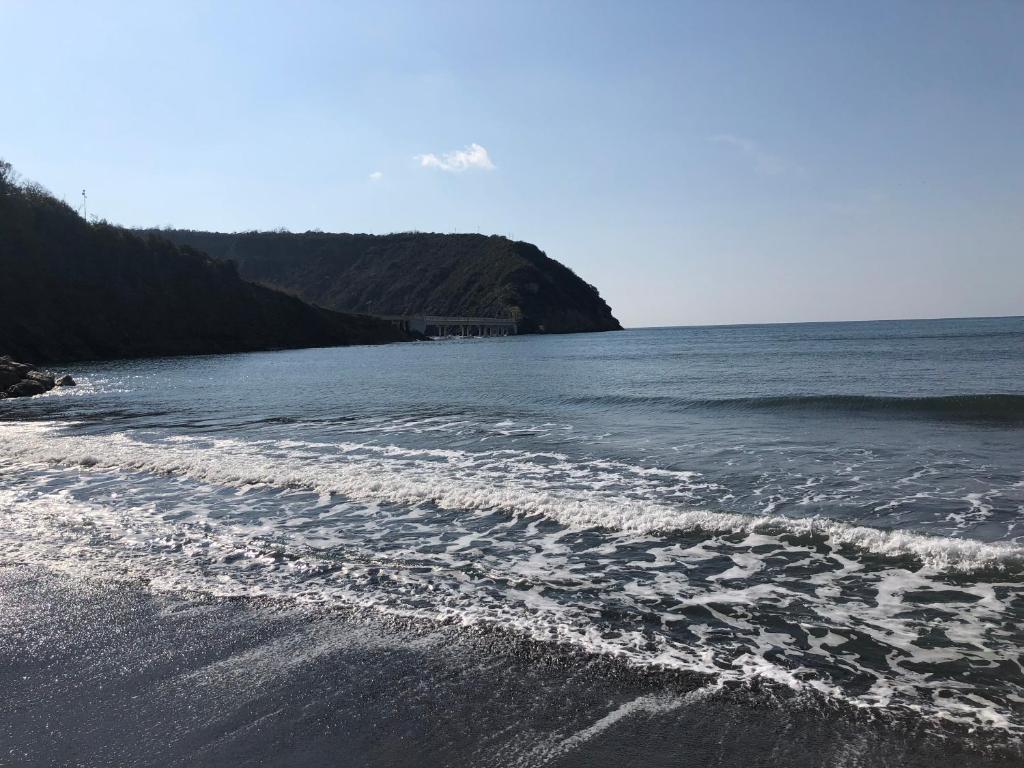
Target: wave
x=444, y=551
x=461, y=482
x=1000, y=408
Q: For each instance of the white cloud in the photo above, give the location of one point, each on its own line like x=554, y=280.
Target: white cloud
x=764, y=162
x=456, y=161
x=376, y=176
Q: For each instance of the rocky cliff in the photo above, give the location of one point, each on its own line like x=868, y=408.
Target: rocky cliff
x=414, y=273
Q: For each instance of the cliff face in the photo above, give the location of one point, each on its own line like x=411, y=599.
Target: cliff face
x=414, y=273
x=72, y=290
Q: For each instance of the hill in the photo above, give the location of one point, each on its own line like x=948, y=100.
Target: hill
x=414, y=273
x=73, y=290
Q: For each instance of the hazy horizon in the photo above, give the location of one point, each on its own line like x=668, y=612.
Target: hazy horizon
x=823, y=322
x=743, y=163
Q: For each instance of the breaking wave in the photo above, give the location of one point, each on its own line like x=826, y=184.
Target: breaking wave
x=507, y=481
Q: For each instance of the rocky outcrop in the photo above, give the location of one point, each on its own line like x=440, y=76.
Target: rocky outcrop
x=22, y=380
x=414, y=273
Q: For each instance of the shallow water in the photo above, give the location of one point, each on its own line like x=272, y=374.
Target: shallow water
x=834, y=509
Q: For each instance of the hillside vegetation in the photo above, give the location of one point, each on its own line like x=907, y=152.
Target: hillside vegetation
x=414, y=273
x=73, y=290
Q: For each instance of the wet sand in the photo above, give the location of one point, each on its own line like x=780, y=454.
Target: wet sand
x=99, y=674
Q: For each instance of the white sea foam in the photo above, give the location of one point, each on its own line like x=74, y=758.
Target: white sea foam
x=549, y=750
x=178, y=536
x=507, y=481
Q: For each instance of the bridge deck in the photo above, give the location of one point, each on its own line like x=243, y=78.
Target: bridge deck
x=454, y=325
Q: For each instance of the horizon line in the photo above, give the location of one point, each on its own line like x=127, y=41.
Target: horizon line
x=823, y=322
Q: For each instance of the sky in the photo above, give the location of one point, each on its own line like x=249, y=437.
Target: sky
x=699, y=162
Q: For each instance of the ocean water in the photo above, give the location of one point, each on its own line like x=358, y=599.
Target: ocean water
x=833, y=511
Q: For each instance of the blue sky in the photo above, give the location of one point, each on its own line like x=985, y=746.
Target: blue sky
x=714, y=162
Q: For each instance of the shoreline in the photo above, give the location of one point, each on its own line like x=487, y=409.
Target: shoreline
x=100, y=672
x=465, y=555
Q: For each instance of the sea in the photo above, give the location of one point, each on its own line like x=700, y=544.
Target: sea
x=793, y=544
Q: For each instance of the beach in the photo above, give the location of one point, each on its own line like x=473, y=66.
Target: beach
x=764, y=545
x=98, y=674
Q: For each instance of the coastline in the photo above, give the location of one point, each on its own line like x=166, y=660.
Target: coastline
x=217, y=560
x=107, y=672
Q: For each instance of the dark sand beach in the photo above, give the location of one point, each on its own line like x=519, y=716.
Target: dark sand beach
x=106, y=674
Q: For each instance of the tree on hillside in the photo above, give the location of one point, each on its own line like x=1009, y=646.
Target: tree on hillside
x=8, y=177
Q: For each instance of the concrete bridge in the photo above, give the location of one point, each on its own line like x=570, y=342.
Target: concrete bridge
x=436, y=325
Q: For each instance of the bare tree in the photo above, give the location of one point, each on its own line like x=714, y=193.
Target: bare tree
x=8, y=177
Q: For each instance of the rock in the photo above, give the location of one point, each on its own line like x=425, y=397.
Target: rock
x=22, y=380
x=9, y=375
x=7, y=362
x=65, y=381
x=41, y=377
x=27, y=388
